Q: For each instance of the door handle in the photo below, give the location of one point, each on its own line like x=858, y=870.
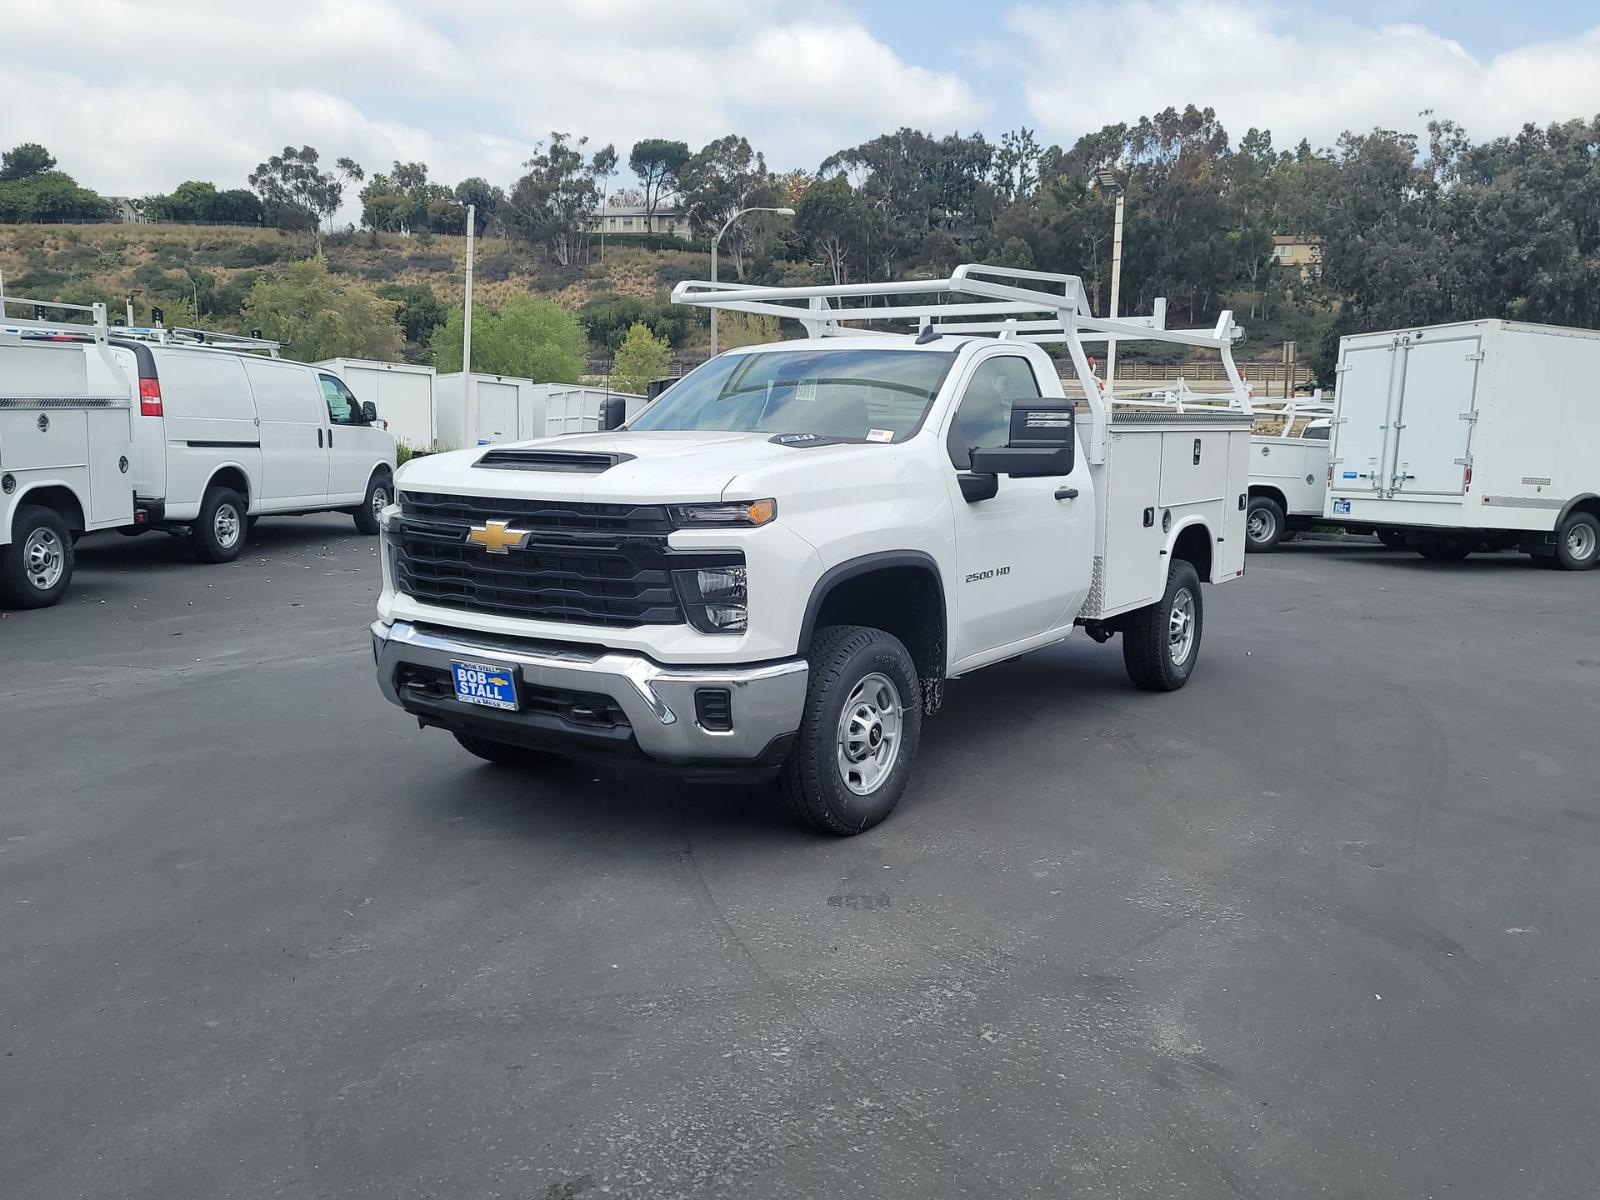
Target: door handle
x=1066, y=493
x=330, y=439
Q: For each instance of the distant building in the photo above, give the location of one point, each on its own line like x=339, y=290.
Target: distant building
x=1297, y=250
x=631, y=218
x=122, y=208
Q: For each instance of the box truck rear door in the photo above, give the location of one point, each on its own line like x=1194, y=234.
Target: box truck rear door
x=1435, y=404
x=1365, y=379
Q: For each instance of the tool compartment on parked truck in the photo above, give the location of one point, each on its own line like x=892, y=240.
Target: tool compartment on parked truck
x=776, y=566
x=65, y=450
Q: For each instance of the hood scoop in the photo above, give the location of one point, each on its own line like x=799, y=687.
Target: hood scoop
x=581, y=462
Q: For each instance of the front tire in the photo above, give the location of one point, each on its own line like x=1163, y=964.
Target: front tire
x=380, y=490
x=36, y=567
x=218, y=532
x=1578, y=542
x=859, y=732
x=1264, y=526
x=504, y=754
x=1161, y=642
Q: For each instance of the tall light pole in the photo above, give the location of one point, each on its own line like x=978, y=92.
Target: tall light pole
x=466, y=325
x=1106, y=180
x=782, y=212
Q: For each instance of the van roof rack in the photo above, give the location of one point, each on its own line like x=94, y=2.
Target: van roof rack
x=978, y=299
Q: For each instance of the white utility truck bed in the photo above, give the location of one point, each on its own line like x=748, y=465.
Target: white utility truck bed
x=1474, y=435
x=775, y=566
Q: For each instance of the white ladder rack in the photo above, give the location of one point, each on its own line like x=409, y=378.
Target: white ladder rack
x=982, y=300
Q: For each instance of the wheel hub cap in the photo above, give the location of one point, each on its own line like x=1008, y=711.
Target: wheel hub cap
x=869, y=734
x=43, y=559
x=1580, y=542
x=226, y=525
x=1180, y=627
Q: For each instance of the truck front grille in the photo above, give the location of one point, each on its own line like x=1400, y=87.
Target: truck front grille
x=594, y=564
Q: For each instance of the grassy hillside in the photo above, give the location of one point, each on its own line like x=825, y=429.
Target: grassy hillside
x=169, y=265
x=173, y=265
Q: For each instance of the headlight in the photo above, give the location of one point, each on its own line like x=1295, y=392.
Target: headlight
x=738, y=512
x=714, y=598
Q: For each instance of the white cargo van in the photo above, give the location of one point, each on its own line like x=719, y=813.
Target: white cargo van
x=403, y=394
x=65, y=454
x=227, y=432
x=1468, y=436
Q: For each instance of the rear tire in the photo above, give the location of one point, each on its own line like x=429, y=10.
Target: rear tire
x=503, y=754
x=1264, y=525
x=1578, y=542
x=36, y=567
x=1445, y=549
x=218, y=532
x=380, y=490
x=1394, y=539
x=1161, y=642
x=859, y=731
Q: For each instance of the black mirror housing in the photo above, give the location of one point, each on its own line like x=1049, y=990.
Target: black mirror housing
x=1023, y=462
x=369, y=411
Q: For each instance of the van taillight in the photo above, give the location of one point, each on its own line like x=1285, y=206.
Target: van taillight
x=149, y=397
x=1466, y=481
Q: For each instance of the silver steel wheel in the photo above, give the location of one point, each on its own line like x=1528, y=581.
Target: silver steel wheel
x=1580, y=541
x=43, y=559
x=1180, y=627
x=869, y=734
x=380, y=499
x=226, y=525
x=1261, y=525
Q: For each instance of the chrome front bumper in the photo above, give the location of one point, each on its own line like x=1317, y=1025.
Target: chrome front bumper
x=659, y=702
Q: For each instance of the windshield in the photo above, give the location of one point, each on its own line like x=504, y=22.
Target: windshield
x=852, y=395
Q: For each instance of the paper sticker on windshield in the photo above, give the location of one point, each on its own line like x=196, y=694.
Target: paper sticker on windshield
x=880, y=435
x=806, y=389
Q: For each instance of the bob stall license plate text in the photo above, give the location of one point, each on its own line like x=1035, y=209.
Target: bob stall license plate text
x=1341, y=506
x=480, y=683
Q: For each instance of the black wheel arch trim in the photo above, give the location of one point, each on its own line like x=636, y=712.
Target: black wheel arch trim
x=1586, y=498
x=865, y=565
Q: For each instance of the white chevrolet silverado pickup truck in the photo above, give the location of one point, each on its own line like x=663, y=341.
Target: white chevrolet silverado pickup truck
x=774, y=568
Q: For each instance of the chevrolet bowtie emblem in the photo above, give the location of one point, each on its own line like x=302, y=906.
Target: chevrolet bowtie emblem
x=497, y=537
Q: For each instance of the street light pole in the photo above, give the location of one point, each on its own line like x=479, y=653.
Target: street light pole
x=782, y=212
x=466, y=324
x=1106, y=180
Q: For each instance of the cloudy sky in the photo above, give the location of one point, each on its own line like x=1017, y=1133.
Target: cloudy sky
x=136, y=97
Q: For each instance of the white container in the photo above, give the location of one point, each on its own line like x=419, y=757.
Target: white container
x=482, y=409
x=1479, y=425
x=402, y=392
x=574, y=408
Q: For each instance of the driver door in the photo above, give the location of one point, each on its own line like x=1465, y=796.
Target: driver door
x=354, y=447
x=1025, y=555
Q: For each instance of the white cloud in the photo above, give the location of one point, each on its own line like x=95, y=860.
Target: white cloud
x=1296, y=74
x=134, y=98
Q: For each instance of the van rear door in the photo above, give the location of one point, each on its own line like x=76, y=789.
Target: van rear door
x=294, y=450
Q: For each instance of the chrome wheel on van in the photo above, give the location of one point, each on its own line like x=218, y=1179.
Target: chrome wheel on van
x=43, y=559
x=1180, y=626
x=380, y=500
x=1581, y=542
x=869, y=734
x=226, y=525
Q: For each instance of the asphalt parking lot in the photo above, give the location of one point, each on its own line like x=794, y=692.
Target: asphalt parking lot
x=1323, y=923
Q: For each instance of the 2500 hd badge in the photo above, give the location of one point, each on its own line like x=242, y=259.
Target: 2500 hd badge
x=991, y=573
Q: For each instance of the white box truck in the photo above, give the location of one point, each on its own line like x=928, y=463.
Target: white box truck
x=403, y=394
x=480, y=409
x=576, y=408
x=775, y=568
x=1469, y=436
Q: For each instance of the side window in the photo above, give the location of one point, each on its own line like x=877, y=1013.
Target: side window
x=343, y=407
x=984, y=417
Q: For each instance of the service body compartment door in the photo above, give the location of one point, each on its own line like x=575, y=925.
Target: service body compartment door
x=110, y=467
x=1194, y=467
x=1134, y=569
x=1360, y=438
x=1433, y=424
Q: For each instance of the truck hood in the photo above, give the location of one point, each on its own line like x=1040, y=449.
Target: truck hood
x=680, y=467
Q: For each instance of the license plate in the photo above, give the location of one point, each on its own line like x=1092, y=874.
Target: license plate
x=1341, y=506
x=480, y=683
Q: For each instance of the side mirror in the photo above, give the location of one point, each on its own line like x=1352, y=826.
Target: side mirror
x=369, y=412
x=1043, y=442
